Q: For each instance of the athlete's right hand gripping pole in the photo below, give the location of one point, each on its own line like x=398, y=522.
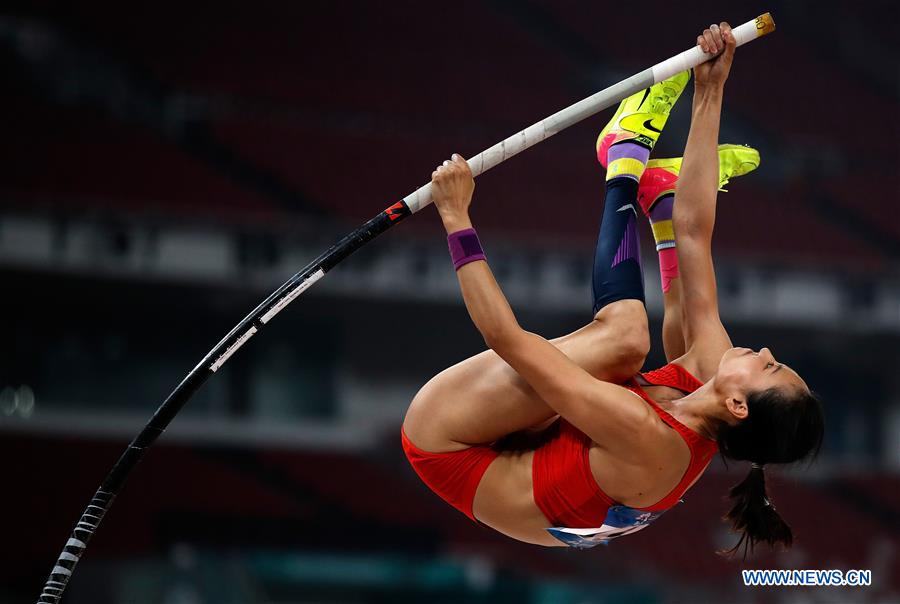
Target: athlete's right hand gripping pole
x=595, y=103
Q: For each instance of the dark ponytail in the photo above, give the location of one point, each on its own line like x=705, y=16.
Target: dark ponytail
x=780, y=427
x=753, y=515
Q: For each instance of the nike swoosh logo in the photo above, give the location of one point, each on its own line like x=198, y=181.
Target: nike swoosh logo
x=639, y=121
x=627, y=206
x=649, y=126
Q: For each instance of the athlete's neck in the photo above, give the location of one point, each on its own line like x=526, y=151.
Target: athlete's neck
x=700, y=410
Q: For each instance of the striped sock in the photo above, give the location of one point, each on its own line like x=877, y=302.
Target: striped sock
x=617, y=273
x=626, y=159
x=664, y=235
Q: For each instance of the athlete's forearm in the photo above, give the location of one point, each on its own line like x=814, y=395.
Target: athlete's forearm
x=694, y=215
x=452, y=188
x=487, y=306
x=695, y=210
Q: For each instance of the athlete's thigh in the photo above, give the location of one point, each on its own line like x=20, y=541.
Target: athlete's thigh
x=483, y=399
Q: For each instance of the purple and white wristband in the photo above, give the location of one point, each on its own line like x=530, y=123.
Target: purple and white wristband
x=464, y=247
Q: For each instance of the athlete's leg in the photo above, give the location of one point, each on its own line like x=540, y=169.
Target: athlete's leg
x=657, y=196
x=483, y=399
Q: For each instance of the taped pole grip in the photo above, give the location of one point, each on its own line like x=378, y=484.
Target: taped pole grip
x=749, y=31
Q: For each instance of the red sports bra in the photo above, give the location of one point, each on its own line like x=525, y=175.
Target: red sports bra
x=564, y=487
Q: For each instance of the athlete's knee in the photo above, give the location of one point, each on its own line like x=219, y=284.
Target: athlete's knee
x=634, y=347
x=625, y=324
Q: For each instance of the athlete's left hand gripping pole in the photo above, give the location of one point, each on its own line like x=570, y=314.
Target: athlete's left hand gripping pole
x=315, y=270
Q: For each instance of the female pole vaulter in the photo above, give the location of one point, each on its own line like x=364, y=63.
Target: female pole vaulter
x=614, y=448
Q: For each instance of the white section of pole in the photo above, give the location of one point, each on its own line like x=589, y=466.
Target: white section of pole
x=595, y=103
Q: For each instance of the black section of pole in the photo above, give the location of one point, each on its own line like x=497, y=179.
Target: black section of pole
x=112, y=484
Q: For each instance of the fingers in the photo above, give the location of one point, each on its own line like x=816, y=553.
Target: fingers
x=728, y=37
x=717, y=36
x=460, y=161
x=709, y=42
x=442, y=168
x=455, y=165
x=712, y=41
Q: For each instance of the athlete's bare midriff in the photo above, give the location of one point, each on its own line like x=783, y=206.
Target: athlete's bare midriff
x=505, y=500
x=505, y=497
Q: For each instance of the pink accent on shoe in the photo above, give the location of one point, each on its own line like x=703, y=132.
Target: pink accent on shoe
x=604, y=148
x=654, y=182
x=668, y=267
x=608, y=140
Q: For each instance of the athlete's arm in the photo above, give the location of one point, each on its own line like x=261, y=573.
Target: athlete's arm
x=609, y=414
x=694, y=213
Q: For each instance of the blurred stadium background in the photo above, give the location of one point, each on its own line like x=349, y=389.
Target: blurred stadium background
x=165, y=165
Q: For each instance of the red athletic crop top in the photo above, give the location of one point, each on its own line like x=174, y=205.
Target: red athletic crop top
x=568, y=495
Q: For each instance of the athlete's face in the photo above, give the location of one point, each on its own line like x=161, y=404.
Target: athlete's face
x=743, y=371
